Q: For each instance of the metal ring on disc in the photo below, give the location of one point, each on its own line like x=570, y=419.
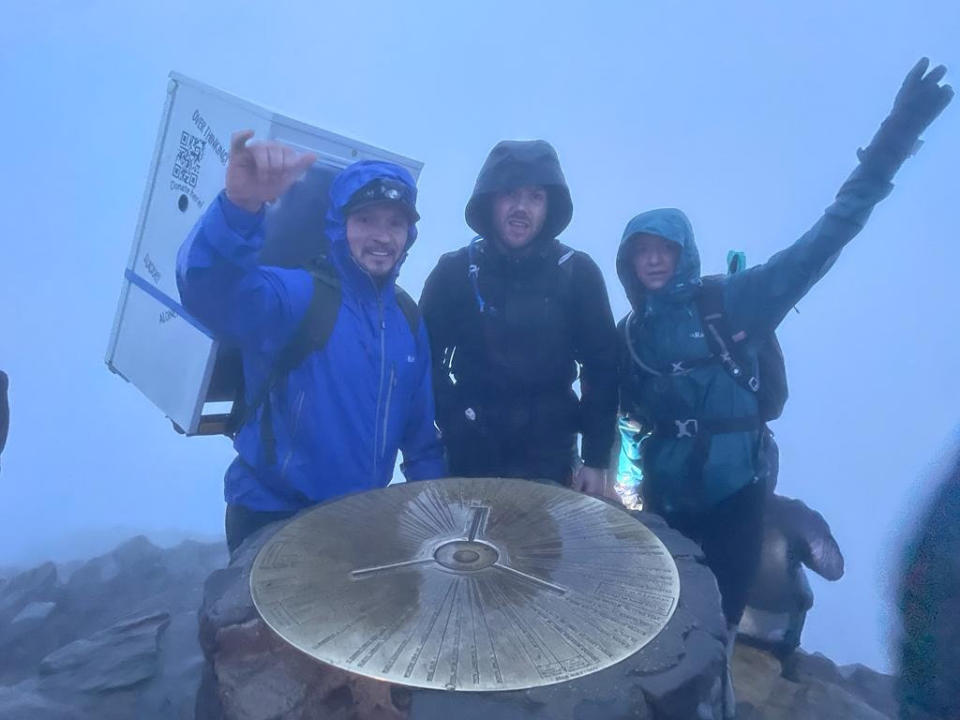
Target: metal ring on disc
x=466, y=584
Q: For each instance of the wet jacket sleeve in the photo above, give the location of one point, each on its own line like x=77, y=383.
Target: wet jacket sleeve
x=595, y=348
x=222, y=284
x=423, y=457
x=435, y=309
x=759, y=298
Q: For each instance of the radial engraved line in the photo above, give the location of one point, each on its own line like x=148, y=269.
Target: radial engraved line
x=532, y=579
x=435, y=508
x=474, y=649
x=426, y=636
x=421, y=511
x=385, y=635
x=392, y=660
x=443, y=635
x=526, y=631
x=567, y=637
x=417, y=527
x=478, y=522
x=486, y=626
x=573, y=635
x=452, y=681
x=601, y=633
x=359, y=618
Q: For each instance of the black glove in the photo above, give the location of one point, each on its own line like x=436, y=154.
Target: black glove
x=920, y=100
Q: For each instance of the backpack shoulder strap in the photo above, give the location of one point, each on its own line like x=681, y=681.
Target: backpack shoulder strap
x=311, y=334
x=628, y=323
x=710, y=298
x=721, y=340
x=408, y=306
x=317, y=324
x=566, y=290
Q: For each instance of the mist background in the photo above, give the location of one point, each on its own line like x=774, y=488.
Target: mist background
x=746, y=115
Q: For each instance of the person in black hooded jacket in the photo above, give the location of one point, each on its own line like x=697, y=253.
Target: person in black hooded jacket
x=512, y=317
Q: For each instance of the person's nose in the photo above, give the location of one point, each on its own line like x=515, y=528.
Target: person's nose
x=380, y=233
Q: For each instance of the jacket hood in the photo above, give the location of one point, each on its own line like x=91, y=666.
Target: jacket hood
x=515, y=163
x=344, y=185
x=672, y=225
x=351, y=179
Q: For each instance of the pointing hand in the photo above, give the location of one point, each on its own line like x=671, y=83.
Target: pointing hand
x=261, y=172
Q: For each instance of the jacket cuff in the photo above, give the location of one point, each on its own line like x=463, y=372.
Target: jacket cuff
x=243, y=222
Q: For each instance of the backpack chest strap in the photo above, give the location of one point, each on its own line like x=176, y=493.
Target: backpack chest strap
x=699, y=428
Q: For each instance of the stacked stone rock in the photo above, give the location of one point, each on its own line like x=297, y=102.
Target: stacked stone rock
x=117, y=637
x=254, y=676
x=112, y=638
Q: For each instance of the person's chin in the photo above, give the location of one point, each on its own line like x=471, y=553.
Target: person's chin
x=379, y=269
x=517, y=241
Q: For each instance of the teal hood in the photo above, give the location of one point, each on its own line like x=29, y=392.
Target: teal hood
x=670, y=224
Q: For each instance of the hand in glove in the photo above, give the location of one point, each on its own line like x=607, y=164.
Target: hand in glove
x=920, y=100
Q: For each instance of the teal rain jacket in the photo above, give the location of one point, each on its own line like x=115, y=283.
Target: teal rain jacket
x=665, y=327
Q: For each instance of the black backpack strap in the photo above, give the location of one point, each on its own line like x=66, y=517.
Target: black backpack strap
x=408, y=306
x=565, y=287
x=311, y=334
x=721, y=339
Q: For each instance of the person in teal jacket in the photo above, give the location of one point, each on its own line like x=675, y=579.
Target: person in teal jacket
x=694, y=429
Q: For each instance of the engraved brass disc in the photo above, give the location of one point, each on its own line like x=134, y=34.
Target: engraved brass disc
x=466, y=584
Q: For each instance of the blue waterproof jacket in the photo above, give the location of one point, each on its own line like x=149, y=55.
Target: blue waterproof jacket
x=340, y=417
x=665, y=327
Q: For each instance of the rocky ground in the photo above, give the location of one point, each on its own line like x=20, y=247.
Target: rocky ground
x=112, y=638
x=118, y=637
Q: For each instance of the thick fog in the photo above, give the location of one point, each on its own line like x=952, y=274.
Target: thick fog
x=746, y=115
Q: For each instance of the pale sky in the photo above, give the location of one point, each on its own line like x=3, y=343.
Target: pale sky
x=746, y=115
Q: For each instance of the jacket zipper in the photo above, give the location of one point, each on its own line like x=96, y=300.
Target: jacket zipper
x=293, y=434
x=383, y=369
x=386, y=412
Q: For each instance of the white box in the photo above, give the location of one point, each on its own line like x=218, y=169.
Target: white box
x=155, y=344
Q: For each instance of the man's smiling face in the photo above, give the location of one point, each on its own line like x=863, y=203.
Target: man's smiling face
x=518, y=215
x=377, y=236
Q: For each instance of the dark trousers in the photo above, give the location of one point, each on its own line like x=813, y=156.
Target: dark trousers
x=512, y=457
x=241, y=522
x=731, y=536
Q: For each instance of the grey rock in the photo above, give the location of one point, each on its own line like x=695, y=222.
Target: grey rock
x=879, y=691
x=763, y=693
x=135, y=579
x=36, y=585
x=117, y=635
x=119, y=657
x=226, y=593
x=802, y=667
x=34, y=612
x=171, y=694
x=21, y=703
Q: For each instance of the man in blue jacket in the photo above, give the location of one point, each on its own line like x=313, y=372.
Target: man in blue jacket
x=334, y=423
